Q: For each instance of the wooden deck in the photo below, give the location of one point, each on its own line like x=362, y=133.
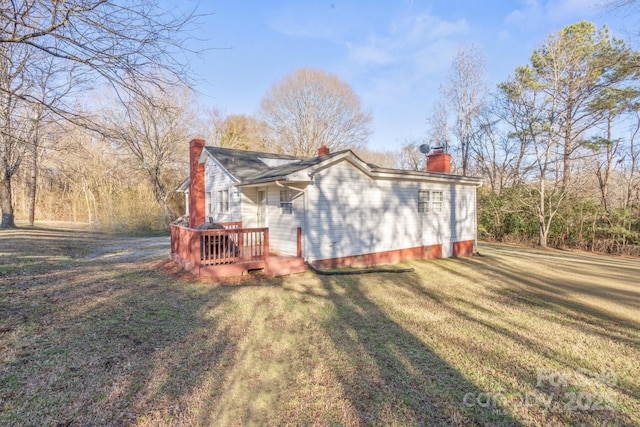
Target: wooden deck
x=230, y=252
x=274, y=265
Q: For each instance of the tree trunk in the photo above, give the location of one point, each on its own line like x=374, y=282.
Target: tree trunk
x=542, y=226
x=6, y=203
x=33, y=181
x=566, y=161
x=86, y=200
x=542, y=238
x=160, y=194
x=603, y=178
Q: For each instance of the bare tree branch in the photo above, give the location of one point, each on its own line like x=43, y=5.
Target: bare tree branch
x=310, y=108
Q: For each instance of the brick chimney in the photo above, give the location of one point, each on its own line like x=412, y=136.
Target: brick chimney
x=196, y=186
x=439, y=161
x=323, y=150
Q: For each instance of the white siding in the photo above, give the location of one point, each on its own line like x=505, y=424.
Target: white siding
x=283, y=227
x=216, y=179
x=352, y=214
x=249, y=207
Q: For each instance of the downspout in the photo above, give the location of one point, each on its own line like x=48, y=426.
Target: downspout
x=475, y=223
x=305, y=230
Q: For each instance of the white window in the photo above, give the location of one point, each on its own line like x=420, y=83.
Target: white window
x=209, y=203
x=430, y=201
x=286, y=202
x=437, y=200
x=423, y=202
x=223, y=201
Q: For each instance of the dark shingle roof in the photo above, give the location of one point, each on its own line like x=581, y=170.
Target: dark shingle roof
x=281, y=171
x=247, y=167
x=245, y=164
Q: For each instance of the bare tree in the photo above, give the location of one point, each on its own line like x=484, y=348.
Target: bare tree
x=380, y=158
x=237, y=131
x=632, y=164
x=465, y=93
x=51, y=86
x=152, y=127
x=410, y=157
x=310, y=108
x=492, y=153
x=15, y=121
x=115, y=41
x=534, y=119
x=438, y=125
x=98, y=42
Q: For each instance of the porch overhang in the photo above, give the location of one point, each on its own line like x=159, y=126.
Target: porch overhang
x=262, y=183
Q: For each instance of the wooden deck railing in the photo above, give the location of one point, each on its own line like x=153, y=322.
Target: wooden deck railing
x=213, y=247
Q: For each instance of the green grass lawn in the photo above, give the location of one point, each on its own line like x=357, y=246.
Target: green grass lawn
x=99, y=330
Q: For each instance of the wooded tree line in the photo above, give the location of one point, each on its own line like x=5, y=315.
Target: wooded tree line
x=55, y=59
x=556, y=143
x=120, y=170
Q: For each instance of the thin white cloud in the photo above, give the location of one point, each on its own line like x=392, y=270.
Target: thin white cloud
x=571, y=9
x=528, y=16
x=292, y=25
x=405, y=58
x=392, y=54
x=534, y=12
x=315, y=20
x=407, y=38
x=371, y=54
x=390, y=59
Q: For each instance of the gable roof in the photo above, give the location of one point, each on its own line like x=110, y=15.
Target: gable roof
x=244, y=164
x=254, y=167
x=281, y=172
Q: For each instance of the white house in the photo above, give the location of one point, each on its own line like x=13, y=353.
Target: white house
x=349, y=212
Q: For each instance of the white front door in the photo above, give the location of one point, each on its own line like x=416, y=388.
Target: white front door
x=262, y=208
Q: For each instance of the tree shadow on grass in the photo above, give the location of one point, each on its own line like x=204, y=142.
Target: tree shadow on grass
x=537, y=294
x=99, y=342
x=389, y=374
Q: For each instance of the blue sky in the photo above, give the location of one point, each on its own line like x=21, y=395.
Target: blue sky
x=394, y=54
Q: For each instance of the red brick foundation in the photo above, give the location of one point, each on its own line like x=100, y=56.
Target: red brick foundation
x=378, y=258
x=464, y=248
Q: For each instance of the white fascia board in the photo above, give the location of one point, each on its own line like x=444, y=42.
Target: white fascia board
x=432, y=177
x=394, y=174
x=184, y=187
x=349, y=156
x=269, y=181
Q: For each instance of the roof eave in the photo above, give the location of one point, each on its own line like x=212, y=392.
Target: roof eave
x=425, y=176
x=287, y=178
x=184, y=187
